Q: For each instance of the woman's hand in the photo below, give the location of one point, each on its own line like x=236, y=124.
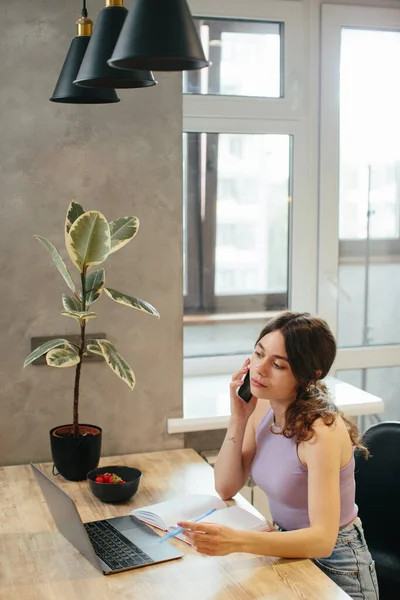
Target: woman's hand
x=213, y=539
x=239, y=408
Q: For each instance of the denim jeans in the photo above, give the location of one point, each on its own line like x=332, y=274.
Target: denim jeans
x=350, y=565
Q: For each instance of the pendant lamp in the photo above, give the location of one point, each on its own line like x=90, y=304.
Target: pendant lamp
x=65, y=90
x=159, y=35
x=94, y=70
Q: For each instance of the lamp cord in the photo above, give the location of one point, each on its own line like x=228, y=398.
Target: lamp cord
x=84, y=9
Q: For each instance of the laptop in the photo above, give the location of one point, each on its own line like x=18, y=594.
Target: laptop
x=111, y=545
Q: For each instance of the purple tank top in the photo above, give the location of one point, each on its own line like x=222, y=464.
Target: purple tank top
x=277, y=470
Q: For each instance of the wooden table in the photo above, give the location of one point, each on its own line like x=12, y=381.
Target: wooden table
x=37, y=563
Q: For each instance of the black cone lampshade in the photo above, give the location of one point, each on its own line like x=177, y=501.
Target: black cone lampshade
x=65, y=90
x=159, y=35
x=94, y=70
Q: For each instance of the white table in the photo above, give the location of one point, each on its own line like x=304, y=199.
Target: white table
x=206, y=402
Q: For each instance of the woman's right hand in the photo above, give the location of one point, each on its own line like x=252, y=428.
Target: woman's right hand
x=239, y=408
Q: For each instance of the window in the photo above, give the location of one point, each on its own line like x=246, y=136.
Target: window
x=360, y=187
x=245, y=59
x=245, y=173
x=369, y=152
x=239, y=214
x=382, y=382
x=318, y=151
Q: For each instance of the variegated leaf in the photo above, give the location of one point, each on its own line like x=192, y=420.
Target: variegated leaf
x=117, y=363
x=58, y=261
x=126, y=300
x=94, y=286
x=94, y=348
x=79, y=316
x=46, y=347
x=122, y=231
x=88, y=241
x=74, y=211
x=71, y=304
x=62, y=357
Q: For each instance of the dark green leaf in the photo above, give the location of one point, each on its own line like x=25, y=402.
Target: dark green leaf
x=130, y=301
x=94, y=286
x=74, y=211
x=71, y=304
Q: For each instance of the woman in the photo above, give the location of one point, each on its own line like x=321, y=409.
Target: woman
x=299, y=449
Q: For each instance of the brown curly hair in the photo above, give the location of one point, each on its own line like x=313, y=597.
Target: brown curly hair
x=311, y=350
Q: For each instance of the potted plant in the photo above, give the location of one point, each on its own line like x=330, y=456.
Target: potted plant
x=89, y=239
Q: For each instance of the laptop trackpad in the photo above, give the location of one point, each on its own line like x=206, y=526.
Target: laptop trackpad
x=136, y=531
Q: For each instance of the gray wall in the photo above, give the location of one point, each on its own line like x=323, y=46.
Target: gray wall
x=120, y=159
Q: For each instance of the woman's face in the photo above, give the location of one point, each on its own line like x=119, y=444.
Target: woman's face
x=270, y=373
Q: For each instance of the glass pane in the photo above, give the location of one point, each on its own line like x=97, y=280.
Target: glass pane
x=252, y=189
x=245, y=55
x=220, y=339
x=369, y=215
x=382, y=382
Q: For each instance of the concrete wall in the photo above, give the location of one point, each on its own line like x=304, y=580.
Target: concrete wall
x=120, y=159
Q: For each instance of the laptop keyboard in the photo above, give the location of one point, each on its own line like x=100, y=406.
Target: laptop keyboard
x=113, y=548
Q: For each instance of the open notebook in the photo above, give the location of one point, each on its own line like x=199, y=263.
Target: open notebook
x=165, y=515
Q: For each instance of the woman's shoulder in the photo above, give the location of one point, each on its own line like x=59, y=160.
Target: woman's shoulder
x=323, y=431
x=332, y=438
x=335, y=427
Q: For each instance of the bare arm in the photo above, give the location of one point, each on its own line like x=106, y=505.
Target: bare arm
x=234, y=459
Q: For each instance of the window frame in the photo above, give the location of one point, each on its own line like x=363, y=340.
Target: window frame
x=286, y=115
x=295, y=101
x=314, y=244
x=333, y=19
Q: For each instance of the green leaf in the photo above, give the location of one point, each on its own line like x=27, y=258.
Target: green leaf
x=94, y=348
x=71, y=304
x=88, y=241
x=38, y=352
x=94, y=285
x=62, y=357
x=126, y=300
x=122, y=231
x=74, y=211
x=79, y=315
x=58, y=261
x=117, y=363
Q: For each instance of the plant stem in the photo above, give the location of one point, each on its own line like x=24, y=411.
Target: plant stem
x=75, y=428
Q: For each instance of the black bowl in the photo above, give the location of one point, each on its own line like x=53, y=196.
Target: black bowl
x=115, y=492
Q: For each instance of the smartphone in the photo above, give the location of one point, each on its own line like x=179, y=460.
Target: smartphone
x=244, y=392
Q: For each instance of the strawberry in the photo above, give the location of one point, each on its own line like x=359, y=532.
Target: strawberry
x=109, y=478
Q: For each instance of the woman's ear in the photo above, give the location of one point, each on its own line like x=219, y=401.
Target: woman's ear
x=318, y=374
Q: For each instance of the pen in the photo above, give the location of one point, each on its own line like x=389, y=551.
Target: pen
x=179, y=530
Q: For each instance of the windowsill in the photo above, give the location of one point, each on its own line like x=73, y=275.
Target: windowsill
x=360, y=260
x=206, y=404
x=216, y=319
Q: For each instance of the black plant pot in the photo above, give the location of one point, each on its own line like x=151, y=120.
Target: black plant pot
x=74, y=457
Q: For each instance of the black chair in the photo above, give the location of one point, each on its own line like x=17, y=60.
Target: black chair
x=378, y=500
